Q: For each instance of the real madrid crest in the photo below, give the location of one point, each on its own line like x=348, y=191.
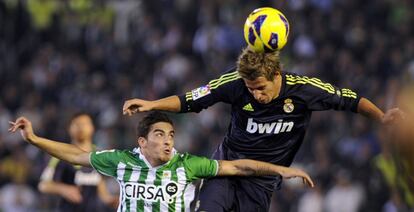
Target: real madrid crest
x=288, y=107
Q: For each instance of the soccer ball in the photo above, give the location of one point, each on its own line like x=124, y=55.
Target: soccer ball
x=266, y=30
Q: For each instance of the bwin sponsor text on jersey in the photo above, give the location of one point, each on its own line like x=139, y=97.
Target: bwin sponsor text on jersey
x=269, y=128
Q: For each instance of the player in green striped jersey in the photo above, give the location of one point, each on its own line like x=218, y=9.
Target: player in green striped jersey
x=153, y=176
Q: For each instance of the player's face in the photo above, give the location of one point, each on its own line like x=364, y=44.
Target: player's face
x=159, y=143
x=262, y=89
x=81, y=128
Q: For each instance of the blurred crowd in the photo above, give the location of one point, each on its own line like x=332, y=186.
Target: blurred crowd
x=62, y=57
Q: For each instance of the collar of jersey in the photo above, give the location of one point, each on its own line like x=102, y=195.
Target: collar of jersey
x=142, y=157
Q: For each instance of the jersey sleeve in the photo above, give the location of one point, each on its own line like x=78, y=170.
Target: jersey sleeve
x=200, y=167
x=222, y=89
x=106, y=161
x=324, y=96
x=51, y=171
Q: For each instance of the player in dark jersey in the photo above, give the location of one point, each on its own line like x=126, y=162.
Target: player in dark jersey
x=80, y=188
x=270, y=112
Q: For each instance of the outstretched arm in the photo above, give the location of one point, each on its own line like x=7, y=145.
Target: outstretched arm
x=67, y=152
x=132, y=106
x=247, y=167
x=370, y=110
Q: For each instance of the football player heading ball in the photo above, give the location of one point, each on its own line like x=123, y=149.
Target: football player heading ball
x=270, y=112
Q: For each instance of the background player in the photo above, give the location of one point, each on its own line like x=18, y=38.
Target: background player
x=401, y=146
x=153, y=176
x=271, y=110
x=81, y=188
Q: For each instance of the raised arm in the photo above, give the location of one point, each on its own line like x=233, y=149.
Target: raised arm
x=370, y=110
x=67, y=152
x=132, y=106
x=247, y=167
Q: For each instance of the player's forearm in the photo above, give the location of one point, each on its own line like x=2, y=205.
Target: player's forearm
x=370, y=110
x=52, y=187
x=67, y=152
x=247, y=167
x=171, y=104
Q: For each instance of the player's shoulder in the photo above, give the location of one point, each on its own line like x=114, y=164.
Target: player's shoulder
x=190, y=158
x=180, y=157
x=228, y=78
x=302, y=83
x=115, y=153
x=299, y=79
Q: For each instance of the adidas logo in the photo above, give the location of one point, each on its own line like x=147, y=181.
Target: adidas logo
x=248, y=107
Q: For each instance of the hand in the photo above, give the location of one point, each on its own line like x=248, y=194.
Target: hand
x=133, y=106
x=392, y=115
x=25, y=127
x=289, y=173
x=72, y=194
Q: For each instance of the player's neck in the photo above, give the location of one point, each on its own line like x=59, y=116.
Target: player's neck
x=278, y=86
x=152, y=161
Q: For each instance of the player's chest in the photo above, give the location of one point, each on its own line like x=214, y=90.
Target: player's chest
x=281, y=108
x=281, y=116
x=152, y=185
x=135, y=173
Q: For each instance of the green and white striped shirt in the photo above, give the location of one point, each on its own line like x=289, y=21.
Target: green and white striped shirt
x=167, y=187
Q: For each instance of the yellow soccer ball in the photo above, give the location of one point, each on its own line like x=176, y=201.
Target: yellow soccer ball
x=266, y=30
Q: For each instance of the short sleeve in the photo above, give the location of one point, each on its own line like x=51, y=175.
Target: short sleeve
x=48, y=173
x=223, y=89
x=200, y=167
x=105, y=162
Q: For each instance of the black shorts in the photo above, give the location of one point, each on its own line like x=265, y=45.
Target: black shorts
x=247, y=194
x=232, y=194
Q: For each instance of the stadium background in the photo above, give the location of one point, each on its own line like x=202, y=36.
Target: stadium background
x=59, y=57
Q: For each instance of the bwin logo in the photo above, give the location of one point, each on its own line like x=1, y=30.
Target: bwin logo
x=268, y=128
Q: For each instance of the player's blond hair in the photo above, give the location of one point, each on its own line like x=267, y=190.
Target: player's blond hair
x=252, y=65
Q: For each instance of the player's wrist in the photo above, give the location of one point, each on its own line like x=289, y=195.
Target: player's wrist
x=153, y=105
x=32, y=138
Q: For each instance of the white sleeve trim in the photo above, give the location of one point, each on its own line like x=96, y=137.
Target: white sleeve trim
x=217, y=167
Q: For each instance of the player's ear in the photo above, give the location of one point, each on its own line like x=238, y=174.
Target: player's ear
x=142, y=142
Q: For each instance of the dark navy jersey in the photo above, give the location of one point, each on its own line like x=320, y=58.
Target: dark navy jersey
x=87, y=179
x=270, y=132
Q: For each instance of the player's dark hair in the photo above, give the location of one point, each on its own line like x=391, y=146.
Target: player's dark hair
x=252, y=65
x=145, y=124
